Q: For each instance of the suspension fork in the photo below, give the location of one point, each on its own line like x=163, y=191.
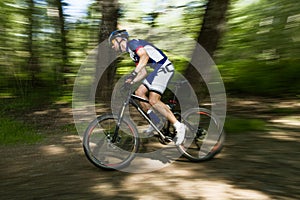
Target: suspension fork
x=120, y=119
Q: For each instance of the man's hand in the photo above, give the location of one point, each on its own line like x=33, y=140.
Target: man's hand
x=131, y=77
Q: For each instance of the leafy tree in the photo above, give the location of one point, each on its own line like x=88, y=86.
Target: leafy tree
x=210, y=34
x=259, y=53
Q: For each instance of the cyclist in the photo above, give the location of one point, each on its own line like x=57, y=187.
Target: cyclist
x=145, y=54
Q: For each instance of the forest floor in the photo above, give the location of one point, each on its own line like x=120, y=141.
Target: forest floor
x=260, y=165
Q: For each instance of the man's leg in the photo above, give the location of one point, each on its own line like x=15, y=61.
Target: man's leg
x=142, y=92
x=157, y=104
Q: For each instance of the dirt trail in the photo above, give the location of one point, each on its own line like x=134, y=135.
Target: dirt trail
x=256, y=165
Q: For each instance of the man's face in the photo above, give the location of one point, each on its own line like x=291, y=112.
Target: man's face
x=118, y=44
x=115, y=44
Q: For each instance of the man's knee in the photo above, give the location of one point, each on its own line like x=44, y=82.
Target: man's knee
x=140, y=93
x=153, y=101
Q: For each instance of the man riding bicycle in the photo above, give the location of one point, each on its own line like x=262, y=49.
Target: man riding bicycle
x=145, y=54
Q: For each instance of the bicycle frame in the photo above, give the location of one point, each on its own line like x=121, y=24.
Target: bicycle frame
x=130, y=100
x=115, y=140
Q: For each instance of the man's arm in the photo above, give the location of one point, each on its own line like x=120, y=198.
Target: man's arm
x=141, y=75
x=141, y=67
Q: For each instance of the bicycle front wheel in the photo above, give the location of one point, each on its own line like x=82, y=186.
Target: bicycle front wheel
x=204, y=136
x=100, y=148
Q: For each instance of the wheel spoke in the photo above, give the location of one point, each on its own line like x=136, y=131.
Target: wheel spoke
x=100, y=149
x=202, y=135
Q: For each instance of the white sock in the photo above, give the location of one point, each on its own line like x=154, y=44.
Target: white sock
x=177, y=125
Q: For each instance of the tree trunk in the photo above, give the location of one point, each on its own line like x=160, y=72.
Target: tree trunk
x=60, y=37
x=209, y=37
x=63, y=35
x=33, y=67
x=213, y=25
x=110, y=13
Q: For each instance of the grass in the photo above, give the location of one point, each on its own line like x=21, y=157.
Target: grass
x=285, y=111
x=14, y=132
x=241, y=125
x=69, y=128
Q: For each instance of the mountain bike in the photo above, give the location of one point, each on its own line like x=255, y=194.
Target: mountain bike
x=112, y=140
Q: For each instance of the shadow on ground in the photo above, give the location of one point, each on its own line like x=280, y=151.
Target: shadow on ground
x=253, y=165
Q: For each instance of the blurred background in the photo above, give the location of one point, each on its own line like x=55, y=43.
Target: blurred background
x=254, y=43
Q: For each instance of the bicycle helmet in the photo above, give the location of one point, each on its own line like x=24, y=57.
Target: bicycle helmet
x=118, y=33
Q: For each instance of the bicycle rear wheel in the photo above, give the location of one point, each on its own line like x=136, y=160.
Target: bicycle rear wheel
x=98, y=145
x=204, y=138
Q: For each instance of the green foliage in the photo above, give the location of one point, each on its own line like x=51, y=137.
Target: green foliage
x=242, y=125
x=14, y=132
x=69, y=128
x=179, y=63
x=37, y=98
x=259, y=54
x=40, y=51
x=285, y=111
x=262, y=78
